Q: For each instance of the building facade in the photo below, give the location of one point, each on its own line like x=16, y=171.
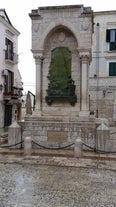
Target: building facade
x=102, y=76
x=10, y=78
x=90, y=38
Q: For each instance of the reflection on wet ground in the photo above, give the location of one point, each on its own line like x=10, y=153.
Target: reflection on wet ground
x=56, y=181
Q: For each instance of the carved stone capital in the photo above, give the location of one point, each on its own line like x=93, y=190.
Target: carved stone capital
x=38, y=57
x=84, y=58
x=85, y=55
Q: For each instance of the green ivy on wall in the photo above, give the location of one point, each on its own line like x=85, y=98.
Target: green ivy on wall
x=60, y=86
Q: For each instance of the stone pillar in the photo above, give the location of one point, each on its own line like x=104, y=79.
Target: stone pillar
x=84, y=58
x=14, y=135
x=103, y=142
x=38, y=61
x=78, y=150
x=27, y=146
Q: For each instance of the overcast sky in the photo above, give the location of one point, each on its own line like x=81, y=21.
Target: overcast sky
x=18, y=10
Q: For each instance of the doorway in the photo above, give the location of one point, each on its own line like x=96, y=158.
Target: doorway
x=7, y=115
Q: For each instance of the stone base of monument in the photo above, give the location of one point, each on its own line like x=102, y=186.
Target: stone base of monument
x=56, y=133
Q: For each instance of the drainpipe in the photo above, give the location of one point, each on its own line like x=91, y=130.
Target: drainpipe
x=97, y=68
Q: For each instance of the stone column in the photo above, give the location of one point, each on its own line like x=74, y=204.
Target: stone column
x=84, y=59
x=38, y=61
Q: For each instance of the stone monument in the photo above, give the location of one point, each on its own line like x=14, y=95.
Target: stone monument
x=61, y=48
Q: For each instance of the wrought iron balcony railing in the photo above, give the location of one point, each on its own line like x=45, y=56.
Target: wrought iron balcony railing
x=12, y=57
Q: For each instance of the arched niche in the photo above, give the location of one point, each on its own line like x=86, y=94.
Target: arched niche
x=59, y=41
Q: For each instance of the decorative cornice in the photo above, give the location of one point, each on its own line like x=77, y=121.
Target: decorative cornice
x=9, y=27
x=37, y=54
x=35, y=14
x=60, y=7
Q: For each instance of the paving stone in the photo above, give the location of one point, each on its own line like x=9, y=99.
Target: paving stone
x=34, y=185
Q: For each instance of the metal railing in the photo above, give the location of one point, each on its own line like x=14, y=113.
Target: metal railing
x=94, y=149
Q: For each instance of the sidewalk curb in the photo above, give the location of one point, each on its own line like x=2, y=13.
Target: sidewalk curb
x=59, y=160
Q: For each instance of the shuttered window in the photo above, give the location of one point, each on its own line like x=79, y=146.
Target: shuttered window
x=9, y=49
x=111, y=38
x=9, y=80
x=112, y=69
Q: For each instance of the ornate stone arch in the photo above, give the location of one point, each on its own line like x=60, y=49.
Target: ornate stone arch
x=53, y=25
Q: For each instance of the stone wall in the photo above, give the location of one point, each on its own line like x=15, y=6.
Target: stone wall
x=58, y=134
x=102, y=96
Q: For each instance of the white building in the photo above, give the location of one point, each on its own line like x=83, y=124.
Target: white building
x=102, y=77
x=10, y=78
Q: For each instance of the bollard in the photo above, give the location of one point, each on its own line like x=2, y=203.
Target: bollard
x=14, y=135
x=78, y=151
x=27, y=146
x=103, y=142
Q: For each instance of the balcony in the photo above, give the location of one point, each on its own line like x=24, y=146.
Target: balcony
x=11, y=57
x=16, y=93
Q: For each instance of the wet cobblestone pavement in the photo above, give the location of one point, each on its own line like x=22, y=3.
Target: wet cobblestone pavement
x=42, y=181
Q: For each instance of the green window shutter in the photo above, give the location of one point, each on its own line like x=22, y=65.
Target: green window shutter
x=6, y=41
x=112, y=69
x=108, y=35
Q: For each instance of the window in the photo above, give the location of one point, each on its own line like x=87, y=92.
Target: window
x=9, y=81
x=111, y=38
x=9, y=50
x=112, y=69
